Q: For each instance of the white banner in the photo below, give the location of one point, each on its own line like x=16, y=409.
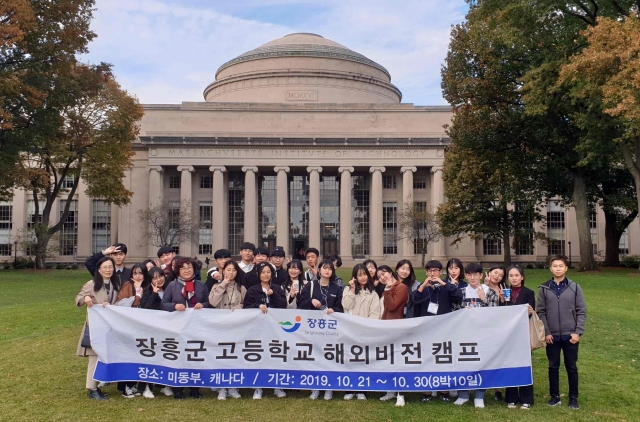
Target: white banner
x=466, y=349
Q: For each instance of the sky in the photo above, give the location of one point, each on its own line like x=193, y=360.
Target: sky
x=167, y=51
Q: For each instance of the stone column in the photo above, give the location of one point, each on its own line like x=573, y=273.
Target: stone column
x=84, y=222
x=407, y=200
x=282, y=208
x=217, y=212
x=437, y=198
x=375, y=214
x=314, y=207
x=250, y=205
x=186, y=194
x=345, y=212
x=155, y=195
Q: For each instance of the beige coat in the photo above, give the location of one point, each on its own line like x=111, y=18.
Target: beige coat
x=226, y=295
x=97, y=298
x=365, y=304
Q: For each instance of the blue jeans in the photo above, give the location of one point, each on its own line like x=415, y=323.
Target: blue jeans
x=464, y=394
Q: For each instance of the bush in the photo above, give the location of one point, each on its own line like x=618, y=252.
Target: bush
x=74, y=267
x=630, y=261
x=60, y=266
x=24, y=262
x=529, y=266
x=6, y=265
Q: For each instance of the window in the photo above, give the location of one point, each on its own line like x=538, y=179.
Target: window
x=593, y=224
x=205, y=237
x=390, y=228
x=360, y=189
x=69, y=232
x=555, y=228
x=174, y=182
x=6, y=212
x=299, y=214
x=174, y=215
x=236, y=211
x=267, y=213
x=420, y=243
x=101, y=226
x=67, y=182
x=524, y=240
x=492, y=246
x=329, y=213
x=623, y=245
x=420, y=181
x=206, y=182
x=388, y=182
x=31, y=211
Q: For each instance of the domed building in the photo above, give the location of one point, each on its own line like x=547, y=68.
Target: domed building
x=301, y=142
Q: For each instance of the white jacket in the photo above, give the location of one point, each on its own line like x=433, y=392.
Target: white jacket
x=365, y=304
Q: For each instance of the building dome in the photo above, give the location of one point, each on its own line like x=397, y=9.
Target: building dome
x=305, y=68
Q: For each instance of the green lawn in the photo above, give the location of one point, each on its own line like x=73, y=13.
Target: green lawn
x=43, y=380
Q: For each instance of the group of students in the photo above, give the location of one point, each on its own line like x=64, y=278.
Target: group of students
x=262, y=280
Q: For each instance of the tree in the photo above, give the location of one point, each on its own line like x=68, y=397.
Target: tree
x=86, y=135
x=39, y=41
x=168, y=223
x=418, y=225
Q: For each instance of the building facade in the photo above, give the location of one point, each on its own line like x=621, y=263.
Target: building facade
x=300, y=142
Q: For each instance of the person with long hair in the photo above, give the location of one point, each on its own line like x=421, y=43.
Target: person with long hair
x=228, y=294
x=293, y=283
x=323, y=295
x=182, y=293
x=456, y=276
x=407, y=276
x=102, y=289
x=360, y=299
x=372, y=267
x=394, y=300
x=494, y=279
x=520, y=295
x=263, y=296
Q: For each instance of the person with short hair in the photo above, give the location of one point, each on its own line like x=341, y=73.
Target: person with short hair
x=182, y=293
x=311, y=255
x=337, y=262
x=476, y=295
x=264, y=296
x=246, y=256
x=277, y=259
x=250, y=279
x=393, y=301
x=118, y=252
x=214, y=274
x=494, y=278
x=166, y=255
x=102, y=289
x=563, y=311
x=198, y=268
x=323, y=295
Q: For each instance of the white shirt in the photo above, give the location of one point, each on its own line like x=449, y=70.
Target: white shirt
x=245, y=267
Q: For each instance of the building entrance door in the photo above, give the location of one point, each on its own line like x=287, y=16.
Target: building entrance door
x=299, y=246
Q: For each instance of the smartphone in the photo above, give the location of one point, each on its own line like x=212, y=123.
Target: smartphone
x=296, y=286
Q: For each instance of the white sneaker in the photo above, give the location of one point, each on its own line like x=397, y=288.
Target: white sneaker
x=479, y=403
x=222, y=394
x=328, y=395
x=279, y=393
x=257, y=394
x=130, y=392
x=233, y=392
x=390, y=395
x=460, y=401
x=348, y=396
x=166, y=391
x=400, y=400
x=453, y=394
x=134, y=391
x=314, y=394
x=148, y=394
x=215, y=389
x=361, y=396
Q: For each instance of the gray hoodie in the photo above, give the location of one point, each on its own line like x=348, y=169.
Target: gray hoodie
x=562, y=315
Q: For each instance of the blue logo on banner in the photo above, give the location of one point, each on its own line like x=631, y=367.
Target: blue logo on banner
x=288, y=327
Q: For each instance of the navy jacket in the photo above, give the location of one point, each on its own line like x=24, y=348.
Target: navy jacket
x=256, y=296
x=334, y=296
x=173, y=295
x=447, y=297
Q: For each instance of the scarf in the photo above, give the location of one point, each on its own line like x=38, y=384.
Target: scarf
x=189, y=291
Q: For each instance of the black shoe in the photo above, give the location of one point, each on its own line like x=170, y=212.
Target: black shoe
x=573, y=403
x=426, y=398
x=445, y=398
x=554, y=401
x=95, y=394
x=178, y=395
x=498, y=396
x=195, y=393
x=101, y=393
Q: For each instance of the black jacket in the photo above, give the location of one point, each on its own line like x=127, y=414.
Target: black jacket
x=92, y=262
x=334, y=296
x=151, y=300
x=525, y=297
x=173, y=295
x=256, y=296
x=447, y=297
x=210, y=280
x=280, y=276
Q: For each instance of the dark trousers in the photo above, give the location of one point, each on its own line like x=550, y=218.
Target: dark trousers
x=570, y=352
x=517, y=395
x=123, y=384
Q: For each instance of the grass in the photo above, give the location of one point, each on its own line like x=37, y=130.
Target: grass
x=43, y=380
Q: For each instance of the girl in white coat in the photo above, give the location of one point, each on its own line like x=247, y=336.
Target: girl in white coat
x=360, y=299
